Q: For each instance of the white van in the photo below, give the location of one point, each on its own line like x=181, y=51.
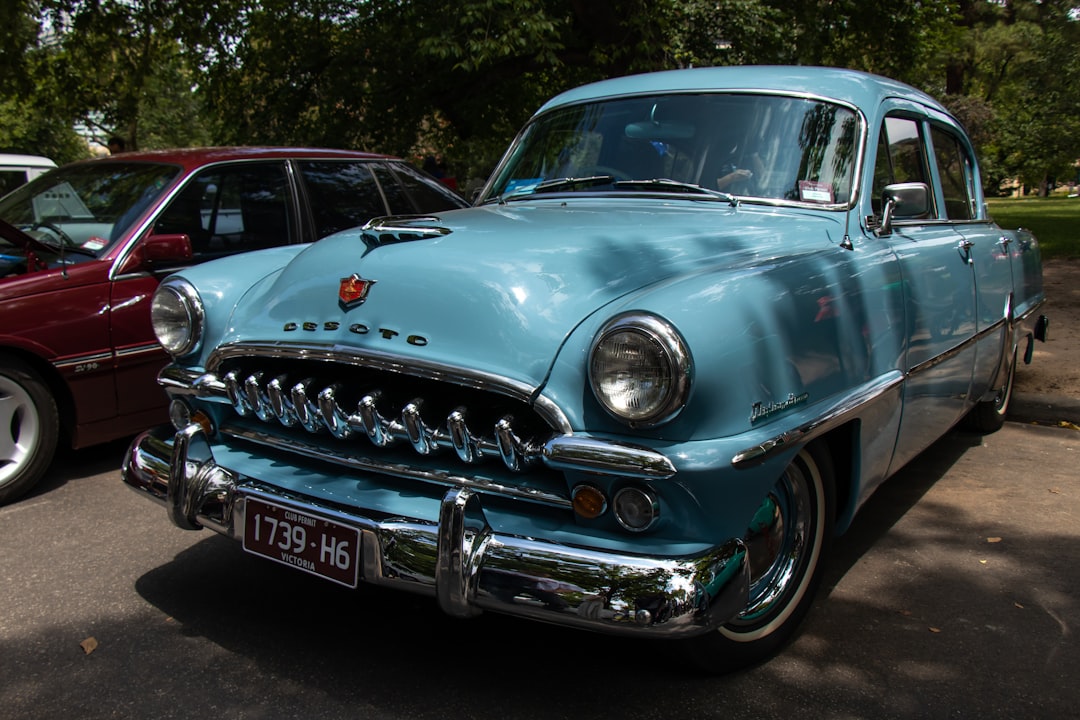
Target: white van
x=18, y=169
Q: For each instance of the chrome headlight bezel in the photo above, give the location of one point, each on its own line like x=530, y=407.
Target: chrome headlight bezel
x=667, y=361
x=178, y=317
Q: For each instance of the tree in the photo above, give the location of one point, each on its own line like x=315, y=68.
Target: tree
x=34, y=118
x=1012, y=65
x=120, y=59
x=418, y=77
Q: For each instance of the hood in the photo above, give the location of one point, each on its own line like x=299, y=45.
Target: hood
x=499, y=288
x=14, y=253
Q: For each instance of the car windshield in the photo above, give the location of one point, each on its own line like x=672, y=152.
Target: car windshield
x=82, y=209
x=753, y=146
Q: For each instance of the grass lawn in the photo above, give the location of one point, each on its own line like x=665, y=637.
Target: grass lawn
x=1054, y=220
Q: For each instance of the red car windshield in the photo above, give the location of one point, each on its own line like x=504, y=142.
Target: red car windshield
x=84, y=208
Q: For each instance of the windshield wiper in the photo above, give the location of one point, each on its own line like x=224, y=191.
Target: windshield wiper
x=676, y=185
x=56, y=240
x=556, y=184
x=570, y=183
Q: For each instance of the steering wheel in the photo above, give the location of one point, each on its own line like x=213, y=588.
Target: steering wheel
x=57, y=231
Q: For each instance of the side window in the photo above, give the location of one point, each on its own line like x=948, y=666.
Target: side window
x=408, y=191
x=341, y=194
x=231, y=209
x=900, y=158
x=11, y=179
x=955, y=169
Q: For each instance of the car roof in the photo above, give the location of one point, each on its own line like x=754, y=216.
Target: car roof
x=17, y=160
x=197, y=157
x=852, y=87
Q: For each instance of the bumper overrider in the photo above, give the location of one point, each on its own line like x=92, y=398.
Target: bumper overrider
x=457, y=557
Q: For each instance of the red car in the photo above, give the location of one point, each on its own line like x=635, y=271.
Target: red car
x=83, y=247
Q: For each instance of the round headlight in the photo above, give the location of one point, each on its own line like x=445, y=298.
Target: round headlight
x=176, y=313
x=639, y=369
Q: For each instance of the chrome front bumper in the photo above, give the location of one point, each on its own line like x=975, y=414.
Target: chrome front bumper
x=458, y=558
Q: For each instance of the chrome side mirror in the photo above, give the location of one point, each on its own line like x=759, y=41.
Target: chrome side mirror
x=908, y=200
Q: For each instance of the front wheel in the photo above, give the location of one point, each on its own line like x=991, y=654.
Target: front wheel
x=787, y=542
x=29, y=427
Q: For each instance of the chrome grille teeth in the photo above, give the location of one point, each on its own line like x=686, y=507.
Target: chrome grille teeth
x=303, y=404
x=511, y=447
x=421, y=437
x=461, y=438
x=333, y=417
x=257, y=399
x=379, y=429
x=235, y=394
x=280, y=402
x=307, y=410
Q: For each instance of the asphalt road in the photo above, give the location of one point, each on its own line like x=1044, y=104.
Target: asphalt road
x=956, y=595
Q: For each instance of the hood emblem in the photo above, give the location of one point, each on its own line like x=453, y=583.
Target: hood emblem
x=353, y=291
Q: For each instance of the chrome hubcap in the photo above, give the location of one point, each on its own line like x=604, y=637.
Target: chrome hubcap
x=782, y=543
x=19, y=428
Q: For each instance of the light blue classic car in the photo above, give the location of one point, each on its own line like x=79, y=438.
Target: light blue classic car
x=694, y=319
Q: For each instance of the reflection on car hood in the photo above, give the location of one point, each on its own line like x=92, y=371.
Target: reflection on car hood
x=503, y=289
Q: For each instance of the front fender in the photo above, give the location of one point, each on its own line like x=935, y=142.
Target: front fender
x=766, y=338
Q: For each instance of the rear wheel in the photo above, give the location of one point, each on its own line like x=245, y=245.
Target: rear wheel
x=989, y=415
x=787, y=542
x=29, y=427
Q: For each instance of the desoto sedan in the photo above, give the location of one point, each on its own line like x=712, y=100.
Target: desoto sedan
x=693, y=320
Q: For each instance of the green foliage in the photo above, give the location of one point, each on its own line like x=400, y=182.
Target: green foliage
x=39, y=133
x=419, y=77
x=119, y=64
x=729, y=32
x=18, y=36
x=1053, y=220
x=1015, y=57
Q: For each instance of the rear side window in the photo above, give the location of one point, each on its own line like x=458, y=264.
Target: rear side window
x=955, y=169
x=341, y=194
x=11, y=179
x=409, y=191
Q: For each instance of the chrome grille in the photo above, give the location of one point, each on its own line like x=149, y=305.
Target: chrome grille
x=351, y=403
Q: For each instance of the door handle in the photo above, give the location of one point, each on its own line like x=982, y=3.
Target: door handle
x=964, y=246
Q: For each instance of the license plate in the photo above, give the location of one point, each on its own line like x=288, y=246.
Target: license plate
x=306, y=542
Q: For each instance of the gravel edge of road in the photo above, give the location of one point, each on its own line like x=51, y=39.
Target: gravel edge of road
x=1043, y=409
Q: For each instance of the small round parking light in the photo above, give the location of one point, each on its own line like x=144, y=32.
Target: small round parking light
x=181, y=415
x=635, y=509
x=589, y=501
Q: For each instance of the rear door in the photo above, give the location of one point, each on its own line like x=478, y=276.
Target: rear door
x=987, y=251
x=938, y=289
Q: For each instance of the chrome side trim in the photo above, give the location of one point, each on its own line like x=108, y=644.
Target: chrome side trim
x=83, y=360
x=839, y=413
x=952, y=352
x=978, y=337
x=459, y=559
x=148, y=349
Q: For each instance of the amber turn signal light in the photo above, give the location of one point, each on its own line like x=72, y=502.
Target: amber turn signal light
x=589, y=501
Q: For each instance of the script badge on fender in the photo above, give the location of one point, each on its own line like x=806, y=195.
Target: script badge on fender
x=353, y=291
